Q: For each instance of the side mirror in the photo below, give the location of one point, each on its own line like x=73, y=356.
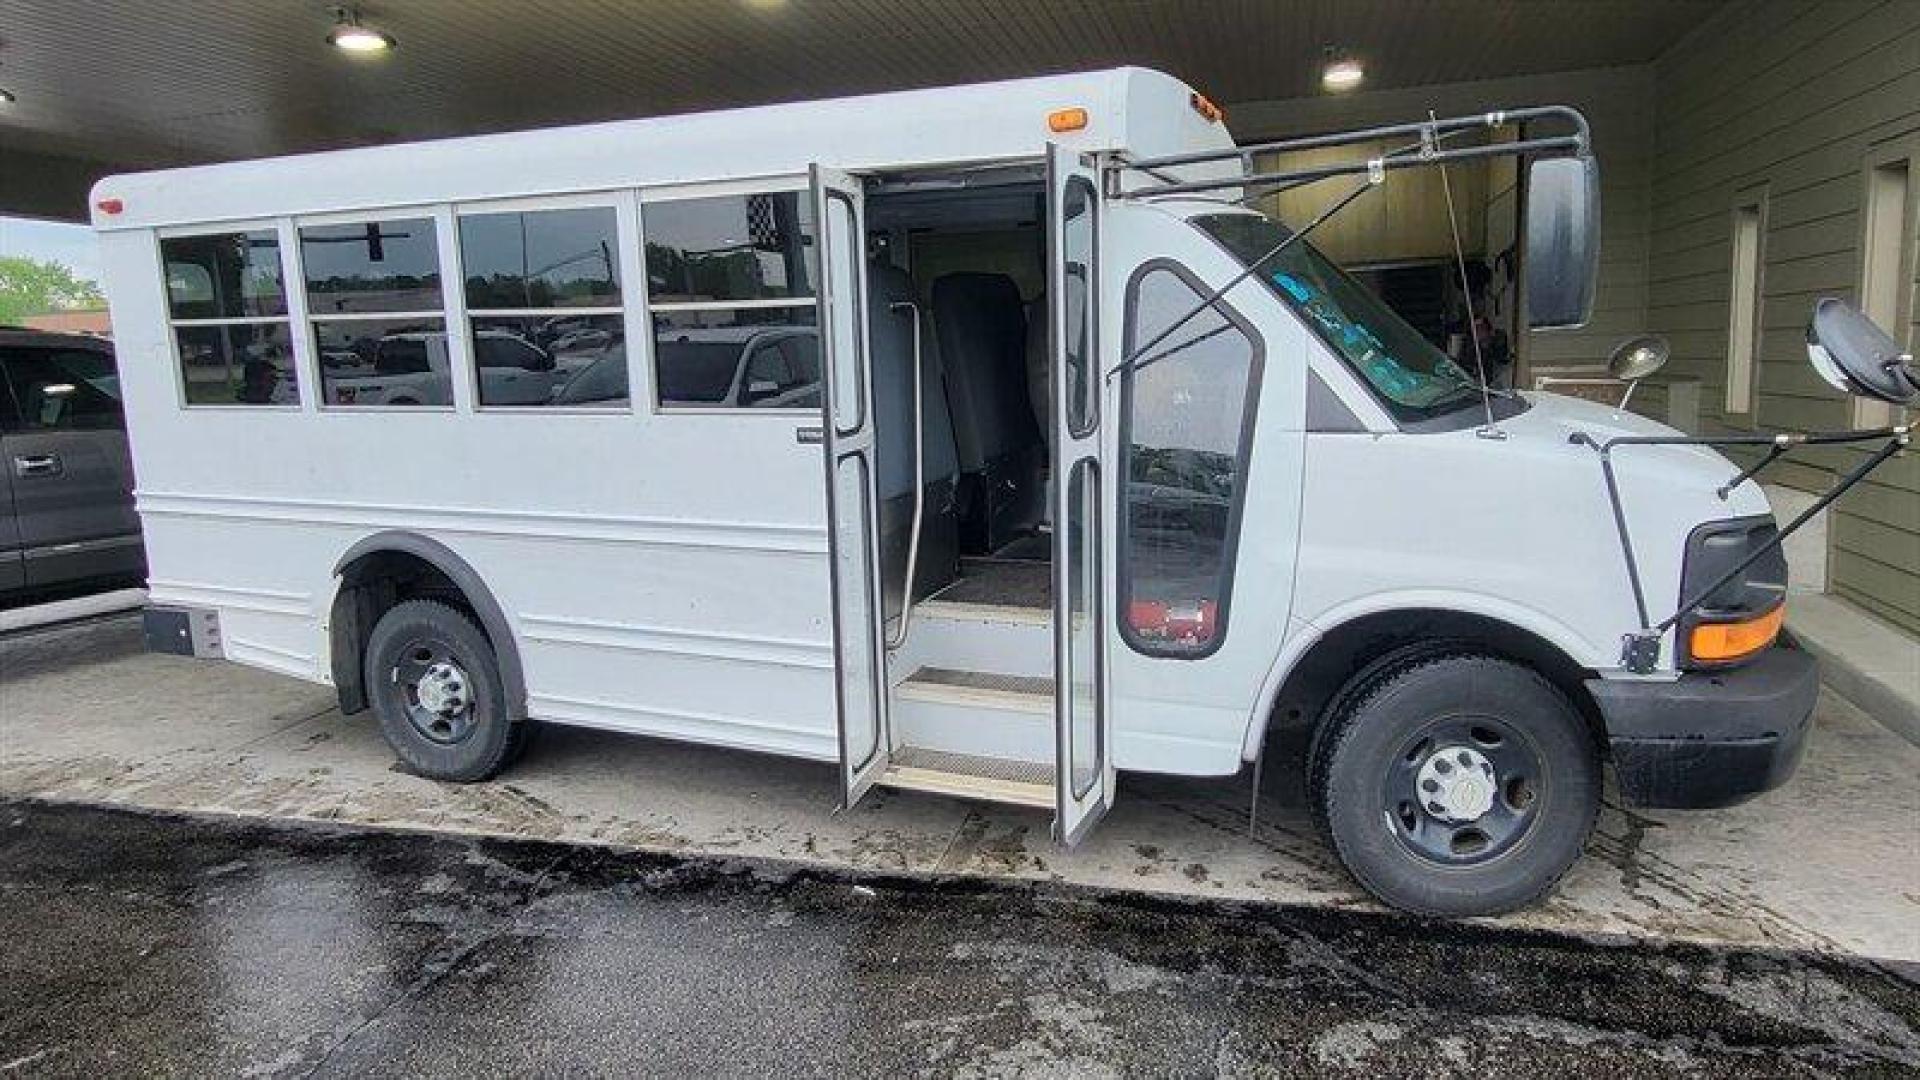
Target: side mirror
x=1563, y=240
x=1636, y=358
x=1855, y=356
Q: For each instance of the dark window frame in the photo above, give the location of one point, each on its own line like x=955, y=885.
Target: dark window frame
x=1249, y=416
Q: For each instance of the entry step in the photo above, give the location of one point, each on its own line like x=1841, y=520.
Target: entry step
x=970, y=776
x=1016, y=693
x=1001, y=583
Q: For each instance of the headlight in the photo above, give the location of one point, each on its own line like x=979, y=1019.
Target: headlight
x=1743, y=616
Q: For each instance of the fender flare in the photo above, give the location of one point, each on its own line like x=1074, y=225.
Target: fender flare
x=493, y=619
x=1304, y=634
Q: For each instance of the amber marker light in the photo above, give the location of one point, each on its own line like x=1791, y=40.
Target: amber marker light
x=1060, y=120
x=1723, y=643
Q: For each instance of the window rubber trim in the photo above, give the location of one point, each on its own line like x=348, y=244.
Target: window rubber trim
x=1249, y=416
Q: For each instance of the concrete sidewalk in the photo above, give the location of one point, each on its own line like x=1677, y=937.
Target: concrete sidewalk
x=1831, y=863
x=1874, y=664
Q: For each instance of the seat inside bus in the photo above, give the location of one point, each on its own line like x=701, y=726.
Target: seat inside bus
x=973, y=245
x=981, y=326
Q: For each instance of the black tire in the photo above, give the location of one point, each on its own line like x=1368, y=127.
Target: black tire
x=1414, y=719
x=423, y=640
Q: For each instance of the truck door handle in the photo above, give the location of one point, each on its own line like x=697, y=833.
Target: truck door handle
x=37, y=465
x=810, y=436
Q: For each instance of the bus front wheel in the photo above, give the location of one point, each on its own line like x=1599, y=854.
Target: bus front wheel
x=435, y=685
x=1455, y=783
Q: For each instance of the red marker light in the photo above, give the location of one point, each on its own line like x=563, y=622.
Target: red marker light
x=110, y=206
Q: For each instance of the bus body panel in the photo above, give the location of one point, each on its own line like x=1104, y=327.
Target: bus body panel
x=661, y=571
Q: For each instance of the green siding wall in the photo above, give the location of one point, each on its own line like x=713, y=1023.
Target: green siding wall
x=1792, y=95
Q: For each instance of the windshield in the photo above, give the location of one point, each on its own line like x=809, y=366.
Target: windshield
x=1414, y=379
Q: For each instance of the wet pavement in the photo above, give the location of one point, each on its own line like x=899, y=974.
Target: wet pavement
x=198, y=946
x=1829, y=863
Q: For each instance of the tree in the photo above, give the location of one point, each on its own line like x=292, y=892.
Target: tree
x=34, y=287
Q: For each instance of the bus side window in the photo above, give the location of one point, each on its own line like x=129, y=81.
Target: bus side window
x=227, y=307
x=545, y=316
x=388, y=269
x=731, y=278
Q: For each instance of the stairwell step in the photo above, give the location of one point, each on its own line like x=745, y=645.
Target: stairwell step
x=972, y=776
x=1019, y=693
x=962, y=611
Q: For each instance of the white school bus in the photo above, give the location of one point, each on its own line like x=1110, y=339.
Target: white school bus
x=982, y=440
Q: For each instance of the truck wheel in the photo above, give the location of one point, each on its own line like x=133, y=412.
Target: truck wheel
x=1455, y=783
x=435, y=685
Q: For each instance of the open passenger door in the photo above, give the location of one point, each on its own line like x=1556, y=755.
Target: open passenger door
x=853, y=535
x=1083, y=728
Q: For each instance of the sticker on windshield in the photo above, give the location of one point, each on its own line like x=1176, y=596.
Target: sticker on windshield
x=1294, y=289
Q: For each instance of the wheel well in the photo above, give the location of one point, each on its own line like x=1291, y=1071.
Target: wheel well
x=1350, y=647
x=375, y=578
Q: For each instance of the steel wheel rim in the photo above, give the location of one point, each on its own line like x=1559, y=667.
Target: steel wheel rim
x=1437, y=825
x=435, y=690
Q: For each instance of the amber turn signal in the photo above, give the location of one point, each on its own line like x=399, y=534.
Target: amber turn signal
x=1066, y=119
x=1720, y=643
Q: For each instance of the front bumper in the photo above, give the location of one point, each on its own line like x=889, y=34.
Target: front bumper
x=1710, y=739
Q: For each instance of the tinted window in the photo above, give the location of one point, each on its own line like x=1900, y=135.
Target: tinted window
x=371, y=266
x=541, y=259
x=391, y=362
x=236, y=364
x=499, y=350
x=226, y=300
x=700, y=357
x=62, y=389
x=603, y=382
x=1077, y=236
x=224, y=276
x=556, y=348
x=401, y=356
x=1187, y=405
x=783, y=371
x=736, y=247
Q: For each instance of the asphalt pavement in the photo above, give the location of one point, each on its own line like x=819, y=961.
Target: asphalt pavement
x=165, y=945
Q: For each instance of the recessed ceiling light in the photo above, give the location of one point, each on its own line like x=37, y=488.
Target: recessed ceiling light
x=349, y=35
x=1342, y=73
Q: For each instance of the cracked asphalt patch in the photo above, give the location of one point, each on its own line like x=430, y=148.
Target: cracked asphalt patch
x=196, y=946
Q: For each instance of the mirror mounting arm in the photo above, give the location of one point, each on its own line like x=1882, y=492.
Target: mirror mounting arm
x=1640, y=651
x=1781, y=444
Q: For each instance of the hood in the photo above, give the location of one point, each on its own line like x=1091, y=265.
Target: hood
x=1554, y=419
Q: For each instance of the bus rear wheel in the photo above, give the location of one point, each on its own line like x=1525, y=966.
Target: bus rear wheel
x=1456, y=783
x=435, y=685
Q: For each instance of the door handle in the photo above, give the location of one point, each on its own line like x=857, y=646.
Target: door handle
x=37, y=465
x=812, y=435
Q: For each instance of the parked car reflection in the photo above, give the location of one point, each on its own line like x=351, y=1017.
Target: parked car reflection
x=411, y=367
x=738, y=367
